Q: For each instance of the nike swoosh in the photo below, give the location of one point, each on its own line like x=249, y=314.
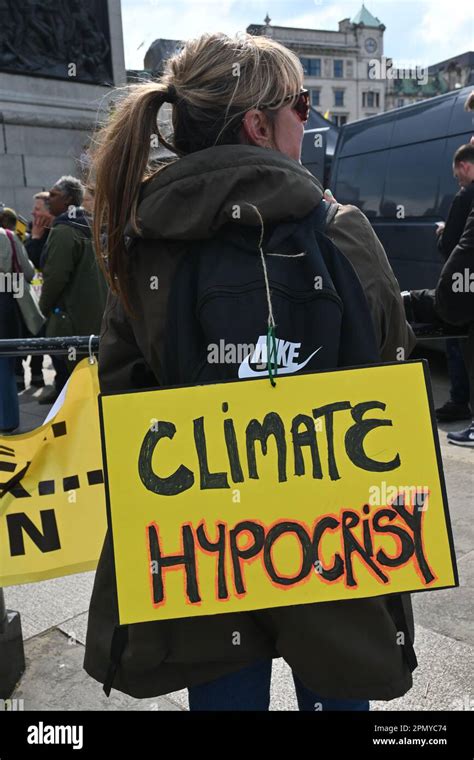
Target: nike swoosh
x=245, y=370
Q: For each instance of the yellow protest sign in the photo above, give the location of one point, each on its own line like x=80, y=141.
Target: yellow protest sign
x=240, y=496
x=52, y=502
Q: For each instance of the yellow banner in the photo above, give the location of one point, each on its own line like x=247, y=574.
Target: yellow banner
x=52, y=501
x=240, y=496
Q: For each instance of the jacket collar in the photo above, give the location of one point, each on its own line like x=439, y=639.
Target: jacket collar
x=80, y=220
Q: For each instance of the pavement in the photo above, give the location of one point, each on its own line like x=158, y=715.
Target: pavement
x=54, y=615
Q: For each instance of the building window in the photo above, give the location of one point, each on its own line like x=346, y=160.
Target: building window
x=370, y=99
x=339, y=119
x=311, y=66
x=338, y=97
x=339, y=68
x=315, y=97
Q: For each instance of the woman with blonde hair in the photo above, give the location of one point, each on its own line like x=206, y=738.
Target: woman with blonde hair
x=225, y=243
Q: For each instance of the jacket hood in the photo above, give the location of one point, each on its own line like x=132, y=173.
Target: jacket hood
x=195, y=196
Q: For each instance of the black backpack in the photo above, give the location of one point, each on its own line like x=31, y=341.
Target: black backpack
x=218, y=316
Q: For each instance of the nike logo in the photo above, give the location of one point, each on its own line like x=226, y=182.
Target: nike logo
x=287, y=354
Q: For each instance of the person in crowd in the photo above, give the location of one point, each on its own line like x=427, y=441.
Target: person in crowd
x=233, y=231
x=8, y=219
x=42, y=221
x=9, y=222
x=457, y=408
x=453, y=302
x=450, y=233
x=74, y=289
x=11, y=322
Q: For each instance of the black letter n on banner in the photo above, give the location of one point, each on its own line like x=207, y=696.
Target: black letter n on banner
x=46, y=541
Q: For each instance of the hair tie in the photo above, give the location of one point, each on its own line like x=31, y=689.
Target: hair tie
x=171, y=94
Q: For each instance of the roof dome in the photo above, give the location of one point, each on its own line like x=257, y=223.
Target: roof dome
x=365, y=17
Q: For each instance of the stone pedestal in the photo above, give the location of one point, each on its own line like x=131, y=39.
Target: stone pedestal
x=12, y=657
x=45, y=122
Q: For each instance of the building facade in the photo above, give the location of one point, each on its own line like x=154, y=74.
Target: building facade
x=336, y=64
x=340, y=68
x=451, y=74
x=403, y=91
x=455, y=72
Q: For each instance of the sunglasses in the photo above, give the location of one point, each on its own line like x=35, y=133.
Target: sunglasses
x=301, y=104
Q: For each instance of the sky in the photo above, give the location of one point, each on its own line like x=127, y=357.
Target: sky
x=419, y=32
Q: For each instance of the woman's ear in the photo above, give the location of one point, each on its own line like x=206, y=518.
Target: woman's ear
x=256, y=128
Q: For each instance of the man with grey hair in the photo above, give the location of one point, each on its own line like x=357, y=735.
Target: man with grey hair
x=66, y=193
x=74, y=289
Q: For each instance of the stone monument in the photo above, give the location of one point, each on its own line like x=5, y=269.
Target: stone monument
x=59, y=65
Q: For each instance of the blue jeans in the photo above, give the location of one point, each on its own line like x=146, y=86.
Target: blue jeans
x=249, y=689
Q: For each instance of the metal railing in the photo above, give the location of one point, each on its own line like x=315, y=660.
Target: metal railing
x=13, y=347
x=438, y=332
x=90, y=344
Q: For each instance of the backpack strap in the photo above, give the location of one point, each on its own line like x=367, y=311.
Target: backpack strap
x=324, y=214
x=15, y=263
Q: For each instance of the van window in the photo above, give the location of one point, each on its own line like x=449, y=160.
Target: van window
x=362, y=177
x=367, y=136
x=412, y=180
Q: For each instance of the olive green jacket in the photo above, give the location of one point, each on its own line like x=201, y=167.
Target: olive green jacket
x=346, y=649
x=72, y=280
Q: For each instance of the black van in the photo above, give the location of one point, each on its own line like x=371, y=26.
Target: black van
x=397, y=168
